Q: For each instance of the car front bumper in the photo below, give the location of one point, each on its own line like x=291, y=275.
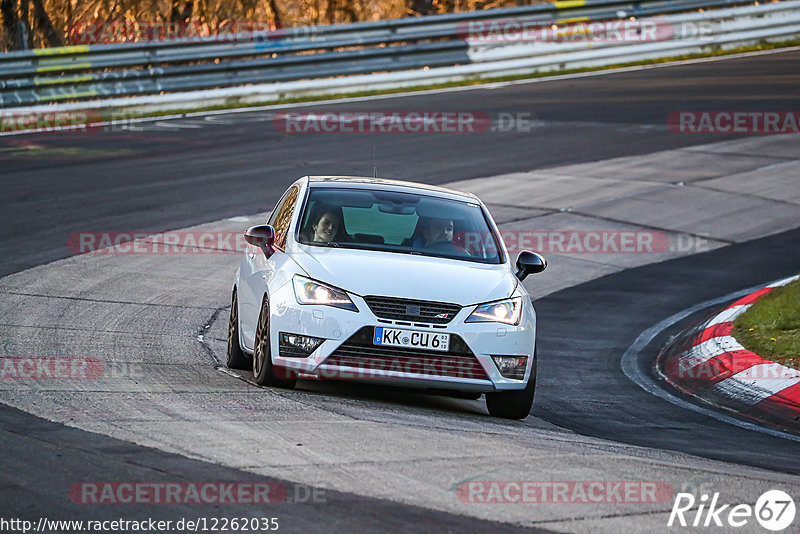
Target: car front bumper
x=468, y=366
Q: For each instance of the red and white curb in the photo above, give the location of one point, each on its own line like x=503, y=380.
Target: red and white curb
x=711, y=365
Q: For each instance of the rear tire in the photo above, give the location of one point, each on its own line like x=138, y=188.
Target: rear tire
x=263, y=370
x=513, y=404
x=235, y=356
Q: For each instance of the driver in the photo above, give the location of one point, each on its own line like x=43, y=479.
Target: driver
x=325, y=225
x=437, y=230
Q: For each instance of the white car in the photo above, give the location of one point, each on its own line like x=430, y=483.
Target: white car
x=385, y=281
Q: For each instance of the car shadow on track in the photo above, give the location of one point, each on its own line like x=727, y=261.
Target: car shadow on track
x=376, y=401
x=386, y=394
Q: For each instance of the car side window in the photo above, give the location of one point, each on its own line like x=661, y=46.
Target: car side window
x=282, y=216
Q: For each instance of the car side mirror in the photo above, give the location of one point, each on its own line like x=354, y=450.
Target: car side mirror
x=263, y=237
x=530, y=263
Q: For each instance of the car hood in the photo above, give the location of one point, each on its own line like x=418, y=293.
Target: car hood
x=407, y=276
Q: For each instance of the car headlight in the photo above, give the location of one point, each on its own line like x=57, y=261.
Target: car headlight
x=505, y=311
x=307, y=291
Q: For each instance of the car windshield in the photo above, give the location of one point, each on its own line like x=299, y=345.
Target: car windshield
x=397, y=222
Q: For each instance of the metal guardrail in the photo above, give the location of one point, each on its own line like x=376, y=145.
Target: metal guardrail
x=82, y=72
x=366, y=32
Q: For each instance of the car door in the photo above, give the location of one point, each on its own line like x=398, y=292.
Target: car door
x=257, y=271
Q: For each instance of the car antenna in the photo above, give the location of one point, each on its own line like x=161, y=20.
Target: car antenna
x=374, y=166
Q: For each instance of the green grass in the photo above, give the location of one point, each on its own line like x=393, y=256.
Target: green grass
x=771, y=327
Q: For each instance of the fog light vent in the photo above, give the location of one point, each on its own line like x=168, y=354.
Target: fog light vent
x=511, y=366
x=297, y=346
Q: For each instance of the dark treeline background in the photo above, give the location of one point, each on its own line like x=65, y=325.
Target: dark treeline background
x=47, y=23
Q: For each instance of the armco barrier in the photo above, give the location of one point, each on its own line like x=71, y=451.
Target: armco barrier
x=389, y=53
x=320, y=37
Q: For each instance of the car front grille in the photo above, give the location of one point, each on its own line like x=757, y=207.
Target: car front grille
x=412, y=310
x=359, y=352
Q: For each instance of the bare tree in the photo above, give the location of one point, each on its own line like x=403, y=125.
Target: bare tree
x=276, y=14
x=330, y=12
x=422, y=7
x=24, y=18
x=350, y=11
x=45, y=25
x=8, y=10
x=181, y=10
x=54, y=22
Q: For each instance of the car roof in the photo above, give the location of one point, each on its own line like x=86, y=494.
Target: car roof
x=384, y=183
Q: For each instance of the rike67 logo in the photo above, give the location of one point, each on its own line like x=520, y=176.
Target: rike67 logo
x=774, y=511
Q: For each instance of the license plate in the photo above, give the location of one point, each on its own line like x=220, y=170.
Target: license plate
x=395, y=337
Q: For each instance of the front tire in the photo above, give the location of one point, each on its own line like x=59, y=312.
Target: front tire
x=235, y=357
x=263, y=370
x=513, y=404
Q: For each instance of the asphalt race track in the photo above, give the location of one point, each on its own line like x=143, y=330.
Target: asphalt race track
x=384, y=460
x=618, y=409
x=172, y=176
